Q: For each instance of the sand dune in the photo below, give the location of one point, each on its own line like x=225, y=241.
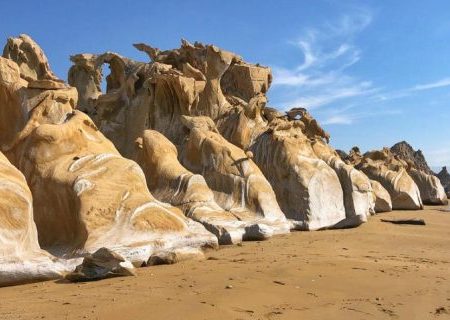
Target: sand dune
x=375, y=271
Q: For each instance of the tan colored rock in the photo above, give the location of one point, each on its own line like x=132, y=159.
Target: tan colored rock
x=21, y=258
x=236, y=182
x=203, y=80
x=170, y=182
x=86, y=195
x=431, y=190
x=383, y=167
x=383, y=202
x=101, y=264
x=160, y=101
x=307, y=189
x=358, y=193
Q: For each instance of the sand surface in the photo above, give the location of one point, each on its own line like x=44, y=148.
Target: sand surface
x=376, y=271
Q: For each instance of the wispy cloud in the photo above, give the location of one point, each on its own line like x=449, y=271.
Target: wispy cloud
x=327, y=52
x=347, y=115
x=390, y=95
x=433, y=85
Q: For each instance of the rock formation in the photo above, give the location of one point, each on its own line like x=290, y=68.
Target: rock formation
x=383, y=202
x=213, y=163
x=21, y=258
x=86, y=195
x=102, y=264
x=203, y=80
x=431, y=189
x=444, y=177
x=406, y=152
x=234, y=186
x=384, y=167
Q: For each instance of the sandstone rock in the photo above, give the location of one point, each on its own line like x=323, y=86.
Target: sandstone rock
x=383, y=167
x=431, y=189
x=203, y=80
x=161, y=96
x=383, y=202
x=21, y=258
x=86, y=195
x=170, y=182
x=307, y=189
x=237, y=183
x=102, y=264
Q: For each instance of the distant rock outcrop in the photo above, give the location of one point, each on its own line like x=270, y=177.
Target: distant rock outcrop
x=431, y=189
x=383, y=167
x=406, y=152
x=379, y=165
x=444, y=177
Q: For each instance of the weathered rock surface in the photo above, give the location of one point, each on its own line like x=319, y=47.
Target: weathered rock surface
x=236, y=182
x=86, y=195
x=383, y=167
x=383, y=202
x=431, y=189
x=203, y=80
x=170, y=182
x=21, y=258
x=102, y=264
x=444, y=177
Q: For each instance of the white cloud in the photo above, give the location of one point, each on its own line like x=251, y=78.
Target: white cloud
x=321, y=78
x=445, y=82
x=343, y=117
x=437, y=84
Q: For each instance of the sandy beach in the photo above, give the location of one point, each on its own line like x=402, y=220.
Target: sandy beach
x=377, y=271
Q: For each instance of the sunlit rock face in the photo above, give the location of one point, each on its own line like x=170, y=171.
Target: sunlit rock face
x=237, y=183
x=86, y=195
x=21, y=258
x=431, y=188
x=169, y=181
x=203, y=80
x=383, y=202
x=162, y=95
x=383, y=167
x=358, y=193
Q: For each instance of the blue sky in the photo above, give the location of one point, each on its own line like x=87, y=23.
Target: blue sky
x=372, y=72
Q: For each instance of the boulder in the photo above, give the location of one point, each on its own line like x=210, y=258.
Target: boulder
x=383, y=202
x=236, y=181
x=170, y=182
x=101, y=264
x=431, y=190
x=86, y=195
